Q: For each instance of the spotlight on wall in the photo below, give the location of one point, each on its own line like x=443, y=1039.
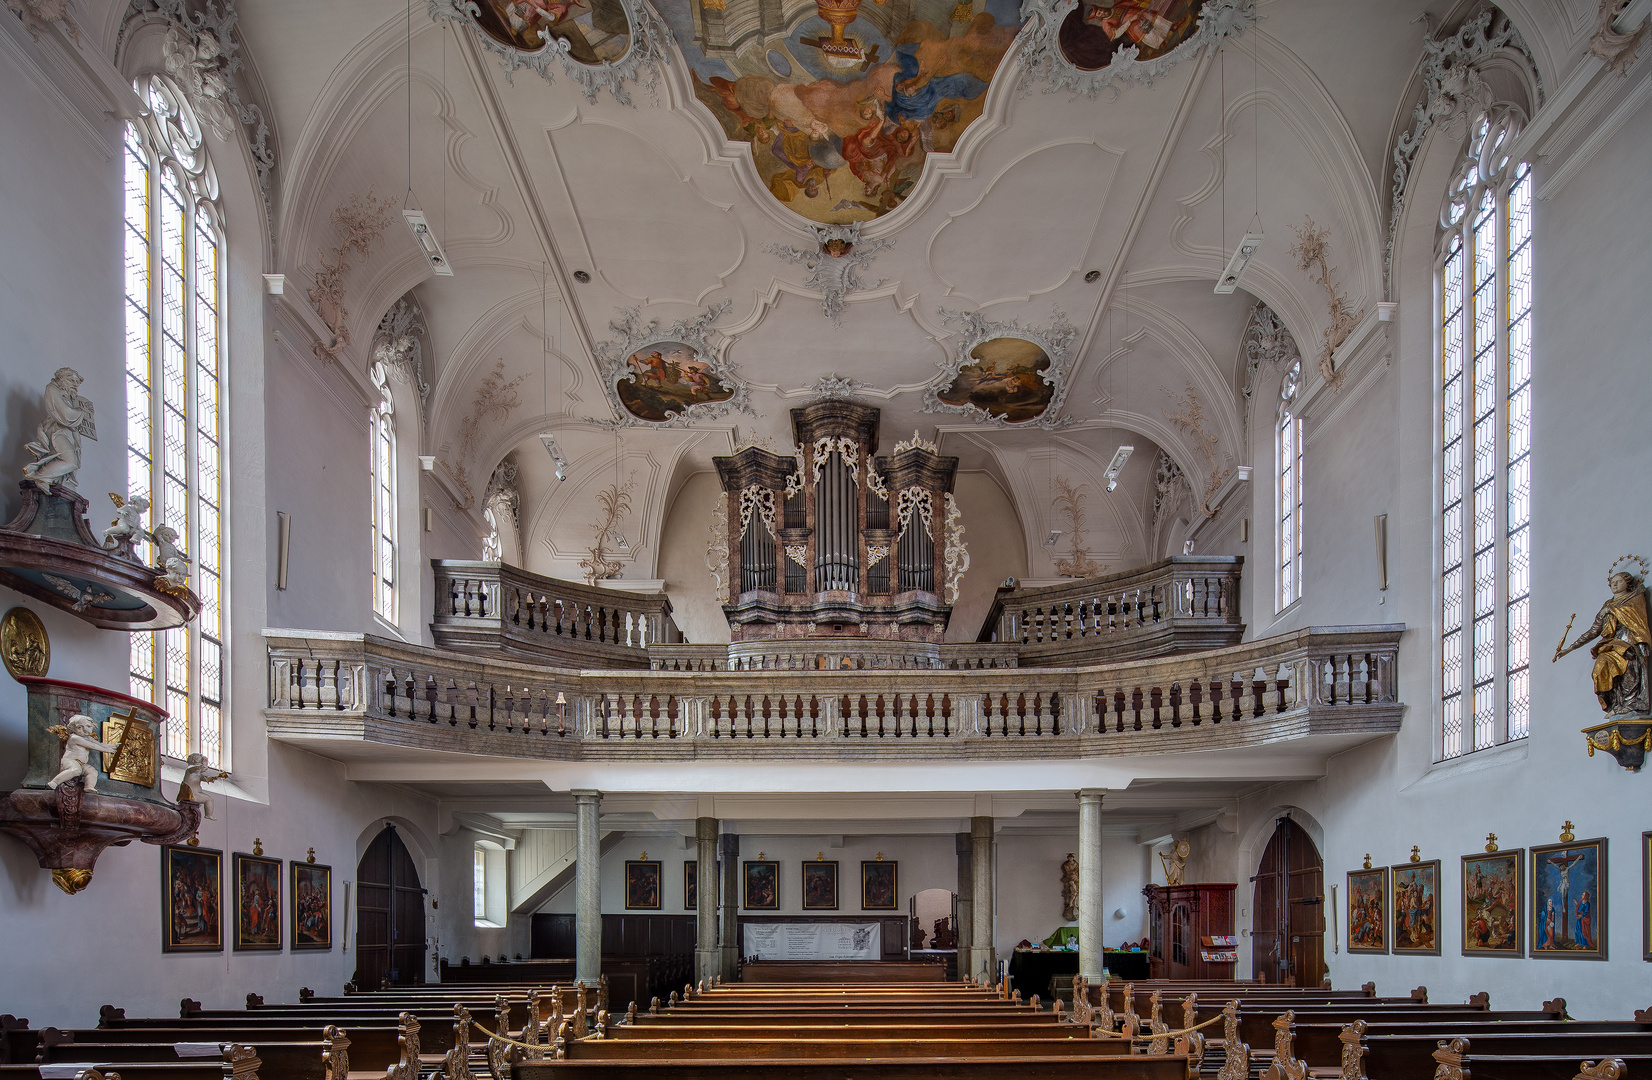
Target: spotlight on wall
x=556, y=455
x=1119, y=913
x=1052, y=539
x=428, y=247
x=1236, y=265
x=1116, y=466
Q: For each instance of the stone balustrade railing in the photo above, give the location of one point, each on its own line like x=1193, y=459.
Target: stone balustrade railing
x=489, y=605
x=825, y=654
x=1321, y=680
x=1184, y=604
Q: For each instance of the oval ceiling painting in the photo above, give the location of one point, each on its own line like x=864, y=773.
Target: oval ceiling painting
x=1007, y=380
x=597, y=31
x=668, y=377
x=1092, y=34
x=841, y=104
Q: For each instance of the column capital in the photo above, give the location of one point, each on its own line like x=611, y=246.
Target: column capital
x=980, y=828
x=705, y=828
x=1095, y=793
x=586, y=795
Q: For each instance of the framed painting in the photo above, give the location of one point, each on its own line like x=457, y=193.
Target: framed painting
x=1368, y=910
x=1569, y=900
x=642, y=885
x=879, y=886
x=1416, y=909
x=312, y=889
x=191, y=899
x=257, y=903
x=691, y=885
x=820, y=885
x=1646, y=895
x=761, y=884
x=1494, y=898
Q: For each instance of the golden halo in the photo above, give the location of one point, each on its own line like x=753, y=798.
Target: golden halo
x=1623, y=559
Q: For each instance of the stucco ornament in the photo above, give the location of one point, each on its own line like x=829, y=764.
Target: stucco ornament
x=1312, y=252
x=1056, y=339
x=56, y=445
x=202, y=57
x=1454, y=93
x=835, y=386
x=360, y=222
x=835, y=264
x=1267, y=344
x=1171, y=492
x=956, y=562
x=634, y=335
x=717, y=543
x=1617, y=50
x=641, y=63
x=39, y=15
x=500, y=502
x=495, y=398
x=397, y=344
x=1042, y=60
x=1187, y=415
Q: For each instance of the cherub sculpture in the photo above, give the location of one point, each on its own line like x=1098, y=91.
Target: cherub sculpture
x=127, y=528
x=836, y=264
x=197, y=773
x=173, y=563
x=57, y=441
x=79, y=738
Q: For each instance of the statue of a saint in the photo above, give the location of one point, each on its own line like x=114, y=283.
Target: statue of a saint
x=1069, y=888
x=57, y=441
x=1622, y=633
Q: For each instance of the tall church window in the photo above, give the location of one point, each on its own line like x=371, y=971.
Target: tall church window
x=382, y=473
x=1288, y=492
x=1485, y=445
x=174, y=242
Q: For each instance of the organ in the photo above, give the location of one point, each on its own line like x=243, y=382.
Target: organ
x=836, y=541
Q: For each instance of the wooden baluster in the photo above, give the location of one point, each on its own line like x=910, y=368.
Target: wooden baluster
x=1175, y=704
x=1257, y=687
x=1281, y=688
x=788, y=717
x=1157, y=702
x=1135, y=707
x=1196, y=693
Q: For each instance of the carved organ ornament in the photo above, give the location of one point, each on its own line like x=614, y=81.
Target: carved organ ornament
x=849, y=543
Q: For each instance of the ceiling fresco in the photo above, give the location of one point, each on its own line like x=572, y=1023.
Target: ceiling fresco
x=841, y=101
x=595, y=30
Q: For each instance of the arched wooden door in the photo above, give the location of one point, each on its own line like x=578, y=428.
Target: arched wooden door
x=390, y=941
x=1288, y=910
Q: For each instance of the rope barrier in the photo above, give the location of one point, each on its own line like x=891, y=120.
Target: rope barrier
x=1103, y=1033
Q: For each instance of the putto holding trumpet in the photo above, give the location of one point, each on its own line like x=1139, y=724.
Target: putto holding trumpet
x=1622, y=633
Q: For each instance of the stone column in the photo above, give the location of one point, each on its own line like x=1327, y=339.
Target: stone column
x=1090, y=958
x=708, y=961
x=588, y=889
x=730, y=938
x=982, y=959
x=965, y=928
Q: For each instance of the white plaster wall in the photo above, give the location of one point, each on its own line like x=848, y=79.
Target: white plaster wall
x=1029, y=887
x=1028, y=879
x=61, y=305
x=695, y=605
x=997, y=550
x=1591, y=327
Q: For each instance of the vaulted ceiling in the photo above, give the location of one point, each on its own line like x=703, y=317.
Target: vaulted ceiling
x=1114, y=213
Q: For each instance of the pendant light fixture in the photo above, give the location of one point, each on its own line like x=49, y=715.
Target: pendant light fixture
x=417, y=224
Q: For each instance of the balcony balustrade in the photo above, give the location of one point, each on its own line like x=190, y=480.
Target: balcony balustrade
x=489, y=605
x=1183, y=604
x=1317, y=681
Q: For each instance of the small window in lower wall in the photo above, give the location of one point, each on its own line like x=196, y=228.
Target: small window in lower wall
x=488, y=885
